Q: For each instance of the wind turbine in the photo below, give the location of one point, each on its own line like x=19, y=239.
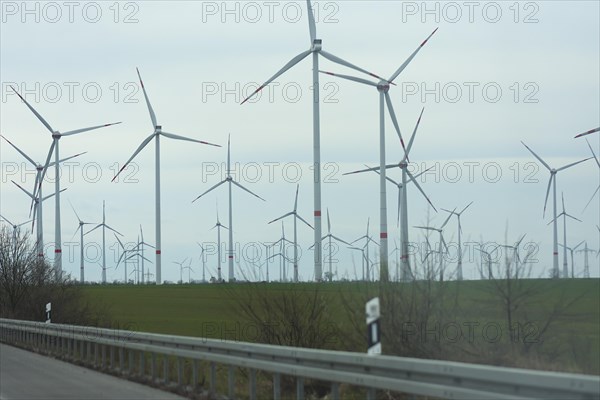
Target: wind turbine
x=141, y=246
x=586, y=263
x=489, y=259
x=383, y=87
x=56, y=135
x=363, y=258
x=229, y=180
x=516, y=257
x=180, y=263
x=552, y=182
x=588, y=132
x=37, y=209
x=564, y=214
x=598, y=164
x=442, y=241
x=331, y=236
x=295, y=215
x=190, y=270
x=203, y=263
x=367, y=239
x=158, y=132
x=15, y=226
x=572, y=250
x=80, y=228
x=406, y=174
x=104, y=226
x=282, y=266
x=36, y=196
x=459, y=271
x=316, y=50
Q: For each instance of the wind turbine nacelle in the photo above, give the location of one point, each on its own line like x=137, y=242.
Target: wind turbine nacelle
x=158, y=127
x=317, y=44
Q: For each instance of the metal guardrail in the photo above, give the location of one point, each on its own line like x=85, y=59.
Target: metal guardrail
x=440, y=379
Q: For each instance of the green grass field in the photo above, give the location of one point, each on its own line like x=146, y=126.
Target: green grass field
x=210, y=311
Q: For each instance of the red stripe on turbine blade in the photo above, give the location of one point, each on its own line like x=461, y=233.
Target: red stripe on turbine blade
x=383, y=235
x=158, y=252
x=317, y=213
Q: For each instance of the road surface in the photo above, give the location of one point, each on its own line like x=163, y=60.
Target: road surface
x=30, y=376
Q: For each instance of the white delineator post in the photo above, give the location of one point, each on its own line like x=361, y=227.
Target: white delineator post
x=48, y=311
x=373, y=327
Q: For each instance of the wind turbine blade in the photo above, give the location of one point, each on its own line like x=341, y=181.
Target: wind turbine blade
x=42, y=120
x=409, y=59
x=580, y=243
x=447, y=219
x=150, y=110
x=114, y=230
x=282, y=217
x=303, y=220
x=538, y=157
x=26, y=192
x=572, y=217
x=594, y=154
x=214, y=187
x=572, y=164
x=287, y=66
x=443, y=242
x=350, y=78
x=345, y=63
x=73, y=208
x=118, y=240
x=340, y=240
x=387, y=178
x=370, y=169
x=399, y=204
x=20, y=152
x=45, y=166
x=247, y=190
x=547, y=193
x=591, y=198
x=581, y=134
x=412, y=138
x=392, y=113
x=229, y=155
x=328, y=222
x=312, y=26
x=4, y=218
x=296, y=199
x=173, y=136
x=426, y=228
x=463, y=210
x=135, y=153
x=92, y=230
x=76, y=131
x=68, y=158
x=76, y=230
x=520, y=240
x=414, y=180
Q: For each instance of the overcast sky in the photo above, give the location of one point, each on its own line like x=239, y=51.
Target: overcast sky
x=495, y=74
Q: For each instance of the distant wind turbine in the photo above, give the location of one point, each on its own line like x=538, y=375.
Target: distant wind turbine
x=158, y=132
x=598, y=164
x=180, y=263
x=316, y=50
x=294, y=214
x=141, y=246
x=564, y=214
x=56, y=135
x=459, y=271
x=80, y=229
x=515, y=257
x=104, y=226
x=15, y=226
x=330, y=246
x=367, y=239
x=488, y=255
x=442, y=241
x=229, y=180
x=552, y=182
x=572, y=250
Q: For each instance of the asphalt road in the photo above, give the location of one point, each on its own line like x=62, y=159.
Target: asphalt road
x=30, y=376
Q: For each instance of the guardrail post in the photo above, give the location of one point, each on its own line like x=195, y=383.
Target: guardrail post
x=371, y=394
x=299, y=388
x=88, y=352
x=121, y=359
x=96, y=348
x=142, y=371
x=166, y=369
x=131, y=366
x=179, y=371
x=153, y=367
x=252, y=384
x=277, y=386
x=335, y=391
x=194, y=374
x=103, y=355
x=213, y=378
x=112, y=357
x=231, y=382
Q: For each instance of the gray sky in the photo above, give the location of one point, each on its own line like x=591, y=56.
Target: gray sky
x=494, y=74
